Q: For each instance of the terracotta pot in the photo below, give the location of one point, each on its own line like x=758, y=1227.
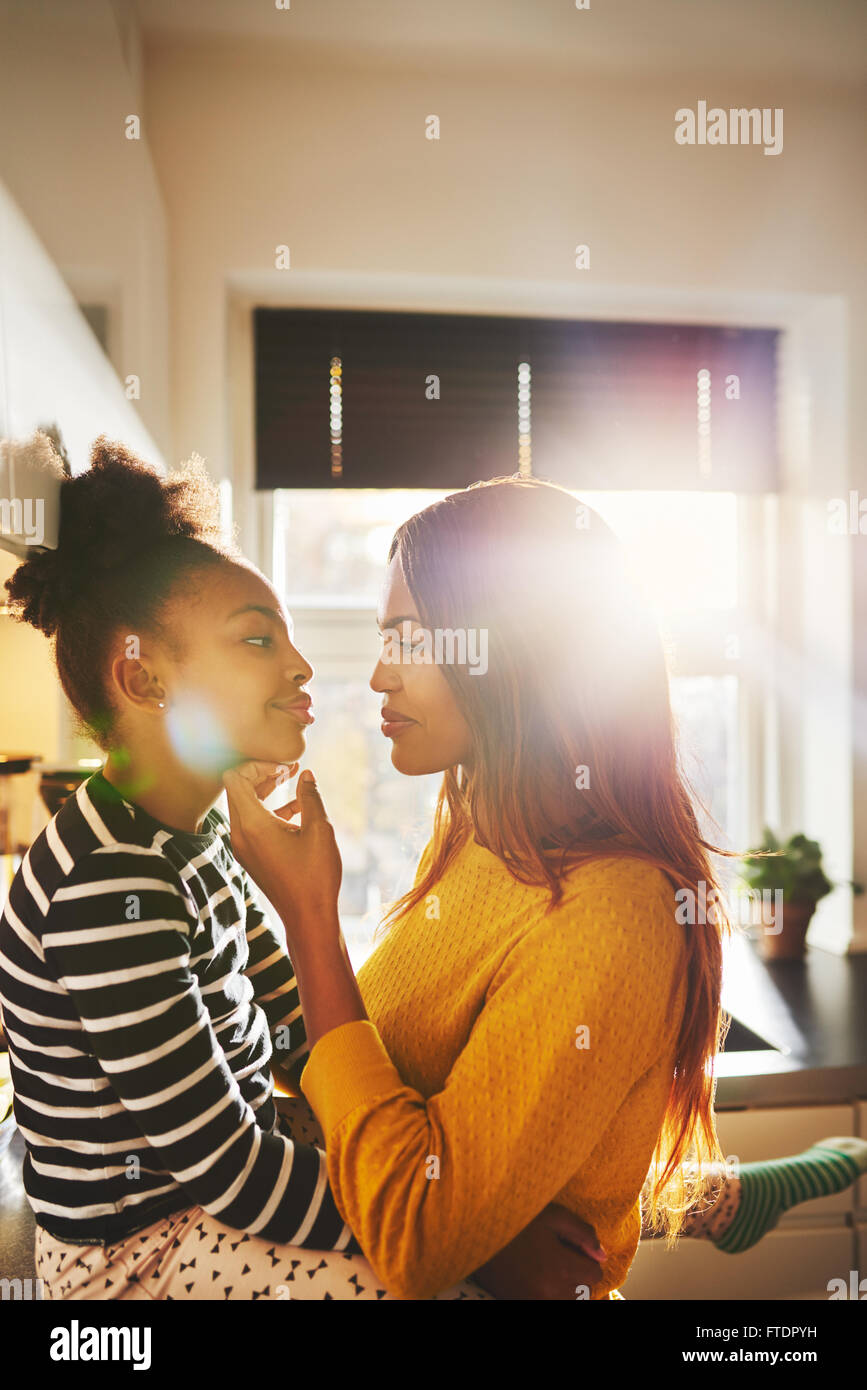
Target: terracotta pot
x=791, y=942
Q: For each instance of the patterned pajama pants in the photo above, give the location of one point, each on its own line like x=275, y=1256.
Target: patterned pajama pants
x=192, y=1255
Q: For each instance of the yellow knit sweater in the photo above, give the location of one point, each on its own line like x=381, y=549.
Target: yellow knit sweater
x=512, y=1058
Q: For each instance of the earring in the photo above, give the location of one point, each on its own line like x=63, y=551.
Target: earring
x=162, y=704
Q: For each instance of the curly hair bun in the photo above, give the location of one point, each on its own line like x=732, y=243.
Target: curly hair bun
x=110, y=516
x=33, y=591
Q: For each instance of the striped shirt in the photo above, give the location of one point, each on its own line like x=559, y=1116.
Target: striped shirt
x=143, y=989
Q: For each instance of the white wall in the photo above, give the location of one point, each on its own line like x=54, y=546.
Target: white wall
x=89, y=193
x=52, y=372
x=255, y=149
x=78, y=198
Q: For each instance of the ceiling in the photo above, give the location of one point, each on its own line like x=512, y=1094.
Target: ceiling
x=823, y=41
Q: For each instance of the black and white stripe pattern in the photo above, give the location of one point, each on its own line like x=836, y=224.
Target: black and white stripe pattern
x=142, y=989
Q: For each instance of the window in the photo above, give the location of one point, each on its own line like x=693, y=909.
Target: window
x=329, y=554
x=667, y=429
x=349, y=398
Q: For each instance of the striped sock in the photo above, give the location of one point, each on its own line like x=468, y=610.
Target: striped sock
x=769, y=1189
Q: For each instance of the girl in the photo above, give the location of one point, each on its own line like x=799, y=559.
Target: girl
x=145, y=994
x=524, y=1018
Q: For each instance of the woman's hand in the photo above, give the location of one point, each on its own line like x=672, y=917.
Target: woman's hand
x=555, y=1258
x=297, y=867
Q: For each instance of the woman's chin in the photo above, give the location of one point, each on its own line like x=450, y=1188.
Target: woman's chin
x=410, y=765
x=425, y=759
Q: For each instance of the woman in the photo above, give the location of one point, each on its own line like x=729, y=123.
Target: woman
x=143, y=988
x=514, y=1037
x=535, y=994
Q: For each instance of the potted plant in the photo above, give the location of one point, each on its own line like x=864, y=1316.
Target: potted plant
x=795, y=868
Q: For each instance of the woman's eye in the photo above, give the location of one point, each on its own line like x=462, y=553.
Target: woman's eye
x=404, y=641
x=263, y=638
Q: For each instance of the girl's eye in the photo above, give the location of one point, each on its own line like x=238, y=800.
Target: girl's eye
x=263, y=638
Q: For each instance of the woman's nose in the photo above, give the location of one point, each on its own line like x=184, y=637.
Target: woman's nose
x=384, y=678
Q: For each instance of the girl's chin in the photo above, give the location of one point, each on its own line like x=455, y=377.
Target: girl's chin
x=287, y=749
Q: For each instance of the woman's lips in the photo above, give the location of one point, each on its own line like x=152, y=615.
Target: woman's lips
x=394, y=724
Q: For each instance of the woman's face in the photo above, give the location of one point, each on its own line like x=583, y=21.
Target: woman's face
x=230, y=697
x=421, y=717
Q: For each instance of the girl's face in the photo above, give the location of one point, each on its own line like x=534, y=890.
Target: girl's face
x=231, y=697
x=421, y=717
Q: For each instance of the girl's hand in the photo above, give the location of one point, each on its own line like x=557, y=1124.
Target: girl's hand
x=297, y=867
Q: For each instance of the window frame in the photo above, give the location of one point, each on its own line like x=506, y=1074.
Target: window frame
x=809, y=756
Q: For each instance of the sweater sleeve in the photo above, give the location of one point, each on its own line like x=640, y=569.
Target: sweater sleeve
x=118, y=938
x=575, y=1015
x=272, y=975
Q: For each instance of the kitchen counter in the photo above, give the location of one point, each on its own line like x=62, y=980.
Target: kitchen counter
x=813, y=1010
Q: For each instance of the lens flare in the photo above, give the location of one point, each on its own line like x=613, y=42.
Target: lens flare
x=197, y=735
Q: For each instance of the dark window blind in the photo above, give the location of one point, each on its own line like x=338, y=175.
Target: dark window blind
x=612, y=405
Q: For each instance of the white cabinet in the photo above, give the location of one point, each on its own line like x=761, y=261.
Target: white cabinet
x=755, y=1135
x=860, y=1264
x=787, y=1264
x=814, y=1242
x=861, y=1193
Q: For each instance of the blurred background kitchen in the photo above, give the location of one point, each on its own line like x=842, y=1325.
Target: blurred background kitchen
x=212, y=218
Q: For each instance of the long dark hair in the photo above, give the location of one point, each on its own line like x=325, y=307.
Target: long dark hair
x=576, y=680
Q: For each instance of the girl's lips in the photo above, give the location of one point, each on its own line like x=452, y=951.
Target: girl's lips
x=299, y=712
